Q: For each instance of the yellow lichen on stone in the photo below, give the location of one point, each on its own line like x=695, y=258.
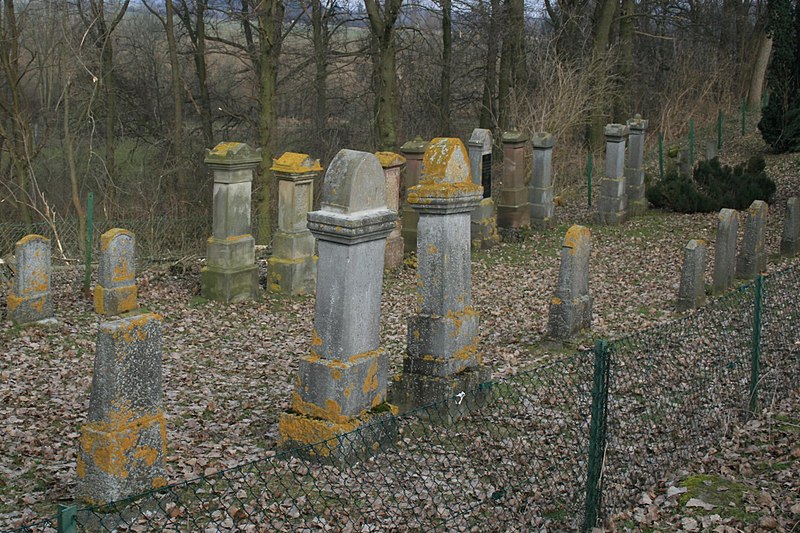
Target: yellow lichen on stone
x=426, y=192
x=122, y=272
x=336, y=374
x=146, y=453
x=445, y=160
x=575, y=235
x=371, y=381
x=390, y=159
x=159, y=482
x=32, y=237
x=222, y=149
x=332, y=410
x=555, y=300
x=107, y=237
x=432, y=249
x=299, y=429
x=315, y=338
x=467, y=351
x=294, y=163
x=14, y=302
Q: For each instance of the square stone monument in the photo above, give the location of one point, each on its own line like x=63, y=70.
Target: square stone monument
x=752, y=258
x=413, y=151
x=541, y=185
x=725, y=250
x=513, y=208
x=483, y=228
x=692, y=290
x=392, y=164
x=613, y=199
x=634, y=169
x=116, y=291
x=790, y=238
x=30, y=299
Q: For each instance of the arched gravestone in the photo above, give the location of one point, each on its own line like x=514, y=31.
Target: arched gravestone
x=483, y=229
x=413, y=151
x=752, y=258
x=541, y=185
x=116, y=291
x=571, y=307
x=30, y=299
x=393, y=164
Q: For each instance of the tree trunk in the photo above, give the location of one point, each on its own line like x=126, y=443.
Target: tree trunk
x=625, y=65
x=602, y=26
x=177, y=100
x=382, y=28
x=69, y=156
x=447, y=59
x=755, y=93
x=513, y=69
x=320, y=41
x=488, y=108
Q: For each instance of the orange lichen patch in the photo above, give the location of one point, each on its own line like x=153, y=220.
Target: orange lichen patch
x=467, y=351
x=228, y=240
x=575, y=236
x=148, y=454
x=364, y=355
x=37, y=304
x=376, y=401
x=390, y=159
x=348, y=391
x=371, y=381
x=107, y=237
x=122, y=271
x=555, y=300
x=14, y=302
x=135, y=331
x=222, y=149
x=99, y=300
x=296, y=428
x=80, y=467
x=159, y=482
x=31, y=238
x=331, y=412
x=315, y=338
x=336, y=374
x=445, y=161
x=424, y=193
x=432, y=249
x=294, y=163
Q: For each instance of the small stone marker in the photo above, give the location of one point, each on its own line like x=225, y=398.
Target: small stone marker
x=634, y=171
x=231, y=274
x=752, y=258
x=711, y=150
x=442, y=357
x=293, y=265
x=513, y=208
x=571, y=307
x=392, y=164
x=540, y=192
x=692, y=291
x=725, y=250
x=116, y=292
x=790, y=240
x=30, y=299
x=413, y=151
x=344, y=376
x=684, y=165
x=122, y=445
x=483, y=228
x=613, y=199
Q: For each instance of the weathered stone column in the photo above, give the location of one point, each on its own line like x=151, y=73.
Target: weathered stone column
x=116, y=292
x=613, y=199
x=442, y=357
x=725, y=250
x=692, y=291
x=513, y=208
x=230, y=274
x=634, y=171
x=752, y=258
x=122, y=446
x=293, y=265
x=30, y=299
x=392, y=164
x=483, y=225
x=571, y=307
x=790, y=239
x=344, y=376
x=540, y=192
x=413, y=151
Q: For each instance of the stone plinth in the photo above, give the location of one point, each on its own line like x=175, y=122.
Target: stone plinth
x=122, y=445
x=230, y=274
x=513, y=208
x=725, y=250
x=30, y=299
x=442, y=356
x=413, y=151
x=483, y=222
x=292, y=268
x=392, y=164
x=571, y=307
x=613, y=199
x=344, y=376
x=752, y=258
x=692, y=291
x=634, y=171
x=116, y=292
x=540, y=191
x=790, y=239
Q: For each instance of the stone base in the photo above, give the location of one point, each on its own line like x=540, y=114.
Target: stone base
x=442, y=345
x=292, y=276
x=228, y=254
x=229, y=285
x=789, y=248
x=483, y=226
x=513, y=216
x=411, y=391
x=637, y=207
x=393, y=256
x=609, y=218
x=30, y=309
x=686, y=304
x=749, y=267
x=566, y=319
x=116, y=300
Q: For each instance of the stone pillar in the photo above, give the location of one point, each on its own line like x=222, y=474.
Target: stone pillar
x=122, y=446
x=725, y=250
x=513, y=209
x=30, y=299
x=343, y=378
x=613, y=199
x=413, y=152
x=684, y=165
x=540, y=192
x=116, y=292
x=790, y=240
x=293, y=265
x=711, y=150
x=752, y=258
x=483, y=225
x=692, y=291
x=230, y=274
x=392, y=164
x=634, y=171
x=571, y=307
x=442, y=358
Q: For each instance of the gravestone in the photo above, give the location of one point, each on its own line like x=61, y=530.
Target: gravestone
x=634, y=171
x=483, y=228
x=30, y=299
x=725, y=250
x=413, y=151
x=613, y=200
x=122, y=447
x=341, y=383
x=540, y=191
x=392, y=164
x=571, y=307
x=790, y=239
x=442, y=356
x=513, y=208
x=692, y=291
x=752, y=258
x=711, y=151
x=116, y=292
x=684, y=164
x=230, y=274
x=292, y=268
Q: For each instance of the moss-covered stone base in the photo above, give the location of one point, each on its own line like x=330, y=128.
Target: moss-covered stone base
x=292, y=276
x=30, y=309
x=229, y=285
x=440, y=394
x=115, y=300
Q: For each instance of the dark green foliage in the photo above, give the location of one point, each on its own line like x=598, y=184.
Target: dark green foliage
x=713, y=187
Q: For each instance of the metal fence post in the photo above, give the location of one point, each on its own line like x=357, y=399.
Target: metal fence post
x=755, y=362
x=67, y=515
x=597, y=436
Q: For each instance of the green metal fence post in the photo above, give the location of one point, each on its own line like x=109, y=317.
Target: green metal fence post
x=89, y=227
x=67, y=515
x=597, y=436
x=661, y=155
x=589, y=177
x=719, y=130
x=755, y=362
x=691, y=141
x=744, y=114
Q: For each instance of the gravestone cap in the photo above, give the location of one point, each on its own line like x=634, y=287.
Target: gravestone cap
x=637, y=123
x=445, y=177
x=415, y=146
x=542, y=139
x=390, y=159
x=294, y=163
x=615, y=132
x=232, y=154
x=514, y=136
x=481, y=138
